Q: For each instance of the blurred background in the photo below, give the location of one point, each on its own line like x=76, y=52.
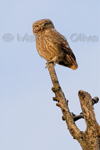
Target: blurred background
x=29, y=119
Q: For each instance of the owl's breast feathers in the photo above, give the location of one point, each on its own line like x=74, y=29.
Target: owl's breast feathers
x=51, y=43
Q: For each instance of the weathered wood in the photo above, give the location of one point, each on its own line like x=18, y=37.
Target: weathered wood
x=89, y=139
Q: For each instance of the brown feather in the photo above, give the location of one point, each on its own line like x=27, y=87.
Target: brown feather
x=53, y=46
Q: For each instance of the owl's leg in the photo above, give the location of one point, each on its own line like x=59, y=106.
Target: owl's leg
x=52, y=61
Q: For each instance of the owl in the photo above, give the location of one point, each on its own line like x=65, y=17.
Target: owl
x=53, y=46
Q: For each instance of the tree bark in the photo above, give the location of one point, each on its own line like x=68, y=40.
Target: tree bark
x=89, y=139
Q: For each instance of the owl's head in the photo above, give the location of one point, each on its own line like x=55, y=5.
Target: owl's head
x=42, y=25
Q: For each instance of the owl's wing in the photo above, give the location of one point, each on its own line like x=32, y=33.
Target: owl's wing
x=61, y=41
x=58, y=41
x=70, y=59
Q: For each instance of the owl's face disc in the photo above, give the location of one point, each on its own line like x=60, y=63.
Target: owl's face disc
x=41, y=25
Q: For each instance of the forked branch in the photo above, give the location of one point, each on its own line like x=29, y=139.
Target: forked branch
x=93, y=129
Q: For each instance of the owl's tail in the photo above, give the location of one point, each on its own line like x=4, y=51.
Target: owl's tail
x=72, y=62
x=69, y=61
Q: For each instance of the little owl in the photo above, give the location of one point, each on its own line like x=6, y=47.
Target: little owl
x=53, y=46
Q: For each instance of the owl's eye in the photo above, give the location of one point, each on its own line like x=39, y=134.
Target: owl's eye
x=36, y=26
x=46, y=24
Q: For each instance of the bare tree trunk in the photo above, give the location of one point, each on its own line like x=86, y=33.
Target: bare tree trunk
x=89, y=139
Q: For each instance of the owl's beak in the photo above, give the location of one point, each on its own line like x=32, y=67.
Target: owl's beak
x=42, y=28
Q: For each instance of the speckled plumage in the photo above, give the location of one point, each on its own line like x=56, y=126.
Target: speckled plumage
x=51, y=45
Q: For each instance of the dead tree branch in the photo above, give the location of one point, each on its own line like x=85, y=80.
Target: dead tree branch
x=80, y=116
x=90, y=139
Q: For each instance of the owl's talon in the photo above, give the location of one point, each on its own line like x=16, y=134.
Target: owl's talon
x=46, y=66
x=53, y=61
x=49, y=62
